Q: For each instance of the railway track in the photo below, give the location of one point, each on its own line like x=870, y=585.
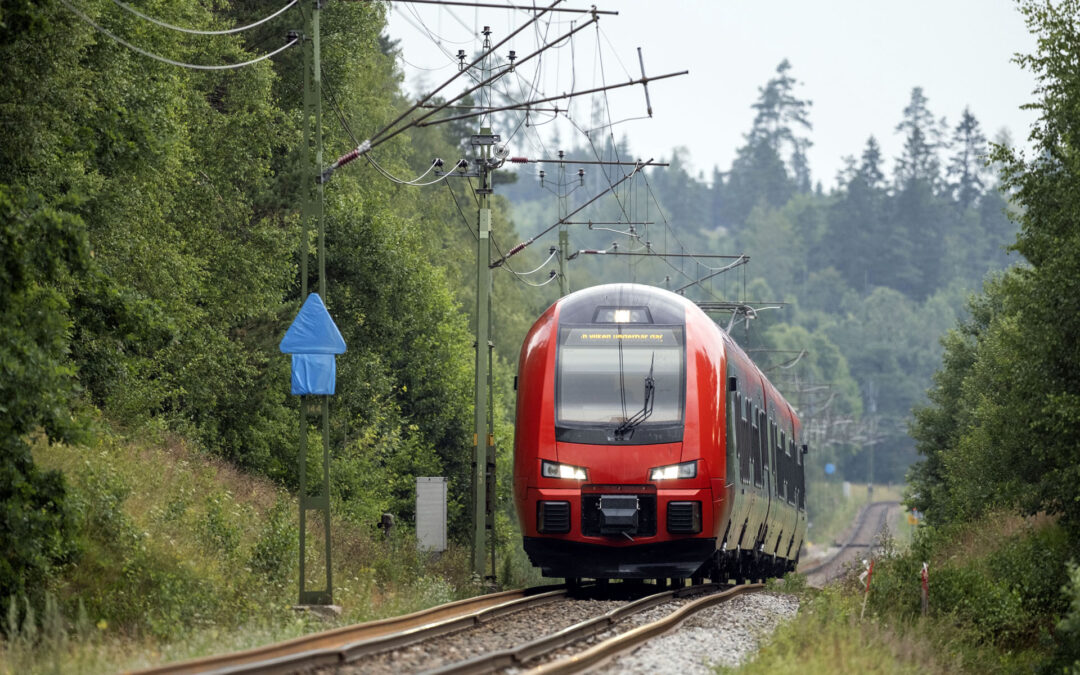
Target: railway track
x=452, y=616
x=871, y=521
x=546, y=629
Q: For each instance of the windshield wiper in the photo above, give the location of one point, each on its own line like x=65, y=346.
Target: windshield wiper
x=625, y=430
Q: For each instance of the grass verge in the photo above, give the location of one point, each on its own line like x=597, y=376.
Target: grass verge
x=1004, y=598
x=184, y=556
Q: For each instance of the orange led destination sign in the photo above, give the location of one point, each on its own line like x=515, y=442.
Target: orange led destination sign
x=580, y=337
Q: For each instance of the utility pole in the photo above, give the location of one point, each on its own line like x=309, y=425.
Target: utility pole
x=484, y=454
x=871, y=402
x=564, y=235
x=312, y=210
x=483, y=339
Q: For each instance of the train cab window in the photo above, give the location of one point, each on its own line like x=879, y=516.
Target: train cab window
x=612, y=374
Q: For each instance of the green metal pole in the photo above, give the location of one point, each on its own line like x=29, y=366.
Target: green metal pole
x=323, y=501
x=313, y=210
x=316, y=74
x=307, y=213
x=564, y=253
x=483, y=336
x=491, y=495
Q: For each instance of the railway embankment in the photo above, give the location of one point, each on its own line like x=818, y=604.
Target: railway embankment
x=1001, y=597
x=182, y=555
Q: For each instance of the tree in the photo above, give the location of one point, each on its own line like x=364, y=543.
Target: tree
x=759, y=174
x=857, y=241
x=966, y=166
x=39, y=246
x=922, y=139
x=1021, y=445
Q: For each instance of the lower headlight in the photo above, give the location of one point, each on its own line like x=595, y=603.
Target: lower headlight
x=555, y=470
x=673, y=471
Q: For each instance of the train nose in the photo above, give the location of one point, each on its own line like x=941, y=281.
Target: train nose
x=618, y=514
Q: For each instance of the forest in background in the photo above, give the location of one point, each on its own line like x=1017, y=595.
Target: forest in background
x=873, y=271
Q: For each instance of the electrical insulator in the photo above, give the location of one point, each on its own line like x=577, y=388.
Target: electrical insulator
x=581, y=176
x=542, y=178
x=461, y=59
x=513, y=57
x=438, y=163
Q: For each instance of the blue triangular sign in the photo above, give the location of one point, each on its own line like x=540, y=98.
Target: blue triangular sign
x=313, y=331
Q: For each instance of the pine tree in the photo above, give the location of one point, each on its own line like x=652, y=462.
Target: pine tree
x=759, y=174
x=922, y=139
x=966, y=165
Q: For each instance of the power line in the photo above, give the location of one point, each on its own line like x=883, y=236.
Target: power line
x=465, y=220
x=193, y=31
x=526, y=8
x=171, y=62
x=517, y=249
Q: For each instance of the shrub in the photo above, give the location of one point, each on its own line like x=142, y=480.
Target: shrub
x=275, y=552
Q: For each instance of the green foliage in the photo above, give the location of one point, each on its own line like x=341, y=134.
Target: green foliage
x=995, y=582
x=827, y=636
x=1067, y=655
x=1003, y=428
x=40, y=246
x=275, y=553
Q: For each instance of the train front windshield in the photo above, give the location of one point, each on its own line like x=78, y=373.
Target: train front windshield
x=602, y=373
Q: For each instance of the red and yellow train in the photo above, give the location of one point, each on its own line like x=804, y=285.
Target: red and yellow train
x=648, y=445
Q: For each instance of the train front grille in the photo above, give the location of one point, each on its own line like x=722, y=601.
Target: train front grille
x=553, y=517
x=684, y=517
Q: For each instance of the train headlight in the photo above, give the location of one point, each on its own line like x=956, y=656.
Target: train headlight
x=673, y=471
x=555, y=470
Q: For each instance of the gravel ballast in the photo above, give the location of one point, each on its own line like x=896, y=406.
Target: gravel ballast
x=502, y=633
x=726, y=635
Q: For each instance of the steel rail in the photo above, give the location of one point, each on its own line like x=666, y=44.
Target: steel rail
x=855, y=531
x=519, y=656
x=636, y=637
x=318, y=648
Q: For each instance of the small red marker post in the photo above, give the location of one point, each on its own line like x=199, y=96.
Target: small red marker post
x=866, y=594
x=925, y=575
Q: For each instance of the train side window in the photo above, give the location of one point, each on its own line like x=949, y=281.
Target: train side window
x=784, y=444
x=769, y=428
x=742, y=440
x=757, y=423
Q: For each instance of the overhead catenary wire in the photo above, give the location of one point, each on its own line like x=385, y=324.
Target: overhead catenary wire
x=415, y=182
x=453, y=197
x=193, y=31
x=172, y=62
x=387, y=131
x=520, y=106
x=554, y=253
x=520, y=247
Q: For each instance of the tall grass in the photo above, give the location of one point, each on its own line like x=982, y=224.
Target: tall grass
x=184, y=556
x=1004, y=598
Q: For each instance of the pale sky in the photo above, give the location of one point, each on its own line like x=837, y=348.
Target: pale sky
x=857, y=60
